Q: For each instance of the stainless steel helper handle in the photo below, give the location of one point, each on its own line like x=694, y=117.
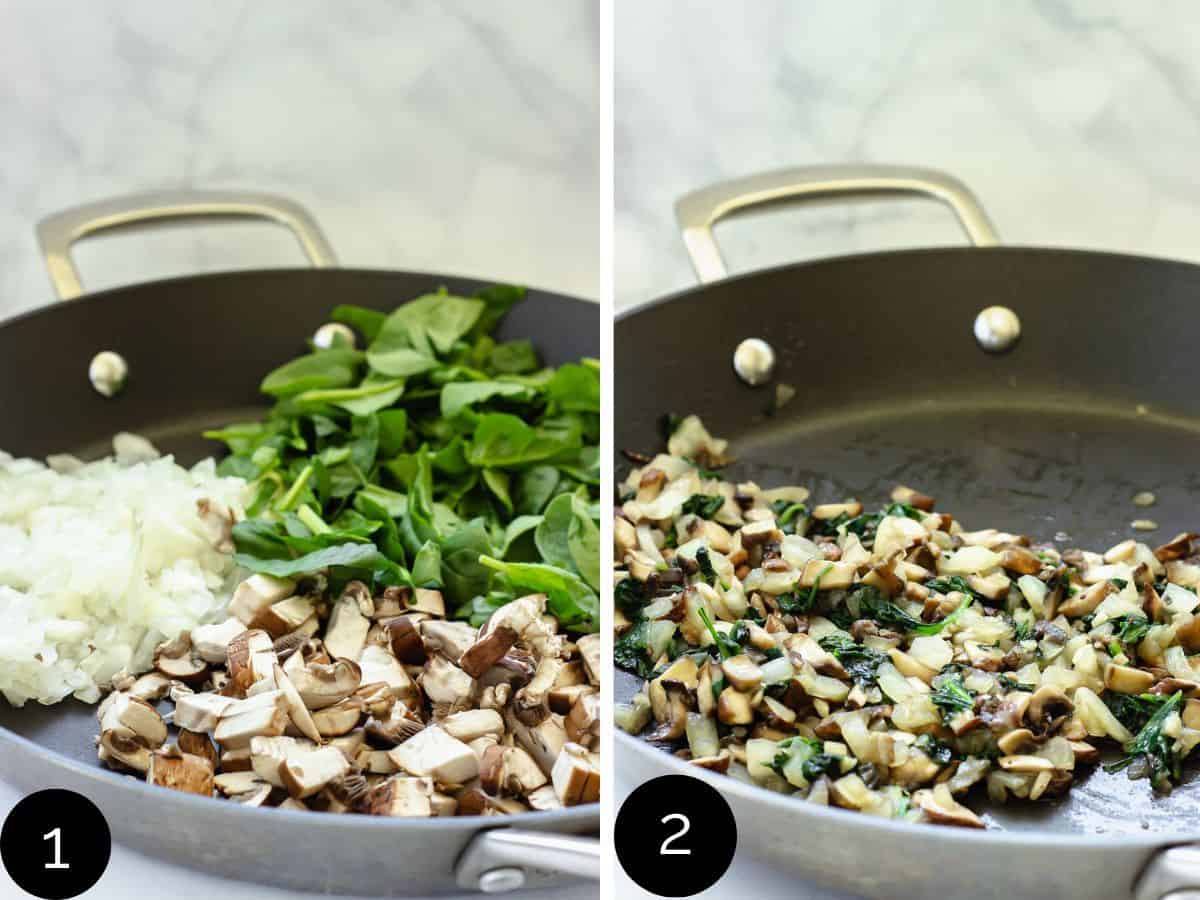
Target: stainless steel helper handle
x=1173, y=874
x=698, y=211
x=506, y=859
x=58, y=232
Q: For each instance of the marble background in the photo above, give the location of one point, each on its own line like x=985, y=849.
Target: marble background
x=456, y=137
x=453, y=137
x=1077, y=122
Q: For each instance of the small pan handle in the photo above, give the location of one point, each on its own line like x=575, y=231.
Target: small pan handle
x=58, y=232
x=698, y=211
x=1172, y=874
x=507, y=859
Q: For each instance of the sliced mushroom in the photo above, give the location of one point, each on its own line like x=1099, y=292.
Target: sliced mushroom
x=268, y=754
x=297, y=711
x=262, y=715
x=211, y=642
x=575, y=776
x=251, y=658
x=940, y=807
x=450, y=639
x=583, y=722
x=377, y=664
x=256, y=594
x=286, y=616
x=131, y=717
x=404, y=638
x=470, y=724
x=198, y=744
x=444, y=682
x=589, y=650
x=346, y=633
x=322, y=685
x=435, y=753
x=401, y=795
x=200, y=712
x=341, y=718
x=171, y=768
x=306, y=774
x=176, y=660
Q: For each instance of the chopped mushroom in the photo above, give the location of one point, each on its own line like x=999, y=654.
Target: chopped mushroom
x=171, y=768
x=361, y=706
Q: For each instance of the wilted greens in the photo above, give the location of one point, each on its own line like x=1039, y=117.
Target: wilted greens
x=436, y=457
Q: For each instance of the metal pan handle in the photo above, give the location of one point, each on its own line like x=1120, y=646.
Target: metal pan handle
x=1173, y=874
x=698, y=211
x=506, y=859
x=58, y=232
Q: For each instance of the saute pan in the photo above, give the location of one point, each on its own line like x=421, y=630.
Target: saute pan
x=196, y=349
x=1049, y=435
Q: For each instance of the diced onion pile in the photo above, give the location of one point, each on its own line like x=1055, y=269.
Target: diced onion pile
x=101, y=562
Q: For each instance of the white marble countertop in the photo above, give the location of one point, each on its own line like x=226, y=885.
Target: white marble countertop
x=450, y=137
x=1076, y=122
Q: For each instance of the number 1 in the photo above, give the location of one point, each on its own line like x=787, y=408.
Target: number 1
x=666, y=849
x=56, y=836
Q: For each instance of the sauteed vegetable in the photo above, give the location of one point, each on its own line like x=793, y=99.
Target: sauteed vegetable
x=889, y=661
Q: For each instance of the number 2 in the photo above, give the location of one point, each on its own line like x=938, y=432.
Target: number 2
x=666, y=849
x=56, y=836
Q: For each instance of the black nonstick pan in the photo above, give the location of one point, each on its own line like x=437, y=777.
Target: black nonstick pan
x=898, y=378
x=196, y=349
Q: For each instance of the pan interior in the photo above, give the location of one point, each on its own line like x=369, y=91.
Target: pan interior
x=1064, y=471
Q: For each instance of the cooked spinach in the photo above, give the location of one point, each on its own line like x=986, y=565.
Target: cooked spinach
x=703, y=505
x=861, y=663
x=950, y=695
x=1151, y=751
x=797, y=602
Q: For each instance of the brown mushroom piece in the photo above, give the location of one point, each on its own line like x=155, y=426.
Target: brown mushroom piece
x=346, y=632
x=940, y=807
x=172, y=768
x=404, y=638
x=177, y=661
x=322, y=685
x=257, y=593
x=1048, y=707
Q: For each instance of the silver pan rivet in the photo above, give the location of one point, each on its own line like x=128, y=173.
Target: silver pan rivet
x=997, y=328
x=108, y=372
x=498, y=881
x=333, y=334
x=754, y=361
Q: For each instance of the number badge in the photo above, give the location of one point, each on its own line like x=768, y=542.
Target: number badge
x=55, y=844
x=675, y=836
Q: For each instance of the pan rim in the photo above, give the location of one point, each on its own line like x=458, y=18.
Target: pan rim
x=681, y=293
x=968, y=836
x=232, y=274
x=585, y=816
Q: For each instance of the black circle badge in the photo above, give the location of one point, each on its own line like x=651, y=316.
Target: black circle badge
x=675, y=836
x=55, y=844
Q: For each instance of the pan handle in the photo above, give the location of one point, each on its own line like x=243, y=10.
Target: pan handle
x=1173, y=874
x=698, y=211
x=506, y=859
x=58, y=232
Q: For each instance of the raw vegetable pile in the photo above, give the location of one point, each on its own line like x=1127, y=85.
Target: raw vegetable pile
x=889, y=661
x=433, y=458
